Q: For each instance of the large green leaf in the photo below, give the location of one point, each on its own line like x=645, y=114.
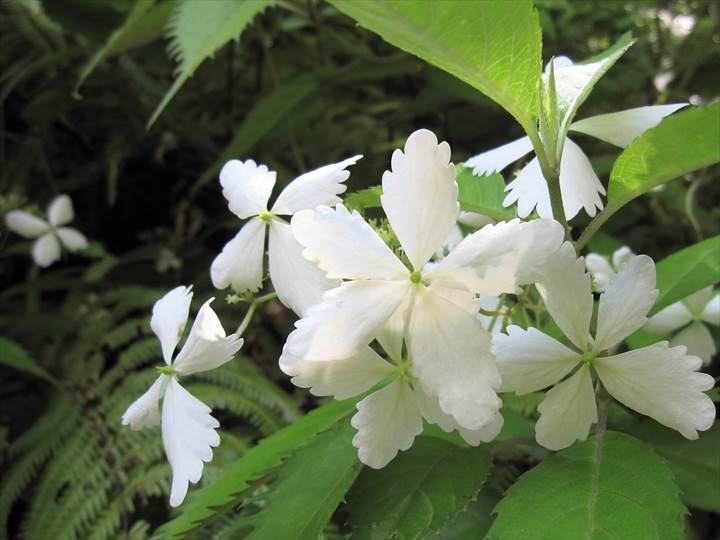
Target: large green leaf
x=14, y=356
x=695, y=464
x=304, y=491
x=483, y=194
x=145, y=23
x=680, y=144
x=687, y=271
x=610, y=486
x=198, y=29
x=419, y=492
x=252, y=465
x=493, y=45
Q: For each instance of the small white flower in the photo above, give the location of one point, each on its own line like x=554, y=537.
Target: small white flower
x=689, y=314
x=658, y=381
x=579, y=185
x=247, y=186
x=432, y=307
x=50, y=234
x=188, y=429
x=603, y=270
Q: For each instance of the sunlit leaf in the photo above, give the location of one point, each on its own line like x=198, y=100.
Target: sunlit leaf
x=484, y=194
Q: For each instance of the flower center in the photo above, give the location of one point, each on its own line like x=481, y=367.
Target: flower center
x=265, y=216
x=587, y=357
x=415, y=277
x=165, y=370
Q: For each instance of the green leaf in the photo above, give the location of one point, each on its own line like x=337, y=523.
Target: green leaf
x=419, y=492
x=252, y=465
x=482, y=194
x=680, y=144
x=493, y=45
x=322, y=471
x=268, y=113
x=574, y=83
x=686, y=272
x=13, y=355
x=474, y=522
x=145, y=24
x=198, y=29
x=695, y=464
x=610, y=486
x=363, y=199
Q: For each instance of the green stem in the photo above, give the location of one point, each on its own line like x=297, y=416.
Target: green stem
x=593, y=227
x=251, y=311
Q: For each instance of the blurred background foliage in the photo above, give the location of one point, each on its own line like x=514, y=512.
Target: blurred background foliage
x=302, y=86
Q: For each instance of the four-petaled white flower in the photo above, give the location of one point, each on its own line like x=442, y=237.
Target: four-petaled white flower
x=602, y=270
x=658, y=381
x=579, y=185
x=689, y=314
x=432, y=309
x=188, y=429
x=247, y=187
x=50, y=234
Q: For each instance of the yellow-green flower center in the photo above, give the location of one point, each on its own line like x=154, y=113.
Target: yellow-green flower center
x=166, y=370
x=415, y=277
x=265, y=216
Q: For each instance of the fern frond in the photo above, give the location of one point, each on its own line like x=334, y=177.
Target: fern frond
x=126, y=332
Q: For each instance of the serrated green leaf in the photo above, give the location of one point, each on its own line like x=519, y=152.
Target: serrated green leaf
x=267, y=114
x=474, y=522
x=482, y=194
x=687, y=271
x=14, y=356
x=610, y=486
x=198, y=29
x=145, y=23
x=680, y=144
x=238, y=475
x=365, y=198
x=574, y=83
x=695, y=464
x=419, y=492
x=492, y=45
x=322, y=471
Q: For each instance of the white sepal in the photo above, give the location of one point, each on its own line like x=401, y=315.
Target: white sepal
x=25, y=224
x=60, y=211
x=145, y=411
x=240, y=264
x=46, y=250
x=246, y=186
x=169, y=316
x=497, y=159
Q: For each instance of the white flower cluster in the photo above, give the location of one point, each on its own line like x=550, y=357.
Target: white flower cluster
x=404, y=325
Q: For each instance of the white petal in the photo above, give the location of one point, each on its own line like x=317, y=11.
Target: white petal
x=60, y=210
x=420, y=196
x=240, y=264
x=453, y=239
x=579, y=185
x=169, y=316
x=246, y=186
x=298, y=283
x=711, y=313
x=498, y=258
x=669, y=319
x=529, y=189
x=697, y=301
x=25, y=224
x=474, y=219
x=662, y=383
x=342, y=378
x=348, y=318
x=567, y=412
x=621, y=128
x=320, y=187
x=529, y=360
x=621, y=256
x=344, y=245
x=557, y=63
x=207, y=346
x=624, y=305
x=565, y=289
x=391, y=335
x=46, y=250
x=600, y=269
x=497, y=159
x=72, y=239
x=453, y=359
x=387, y=421
x=698, y=340
x=144, y=411
x=188, y=434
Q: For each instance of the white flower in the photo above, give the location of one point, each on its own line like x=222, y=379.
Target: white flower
x=432, y=309
x=658, y=381
x=689, y=314
x=579, y=185
x=50, y=234
x=603, y=270
x=247, y=187
x=188, y=429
